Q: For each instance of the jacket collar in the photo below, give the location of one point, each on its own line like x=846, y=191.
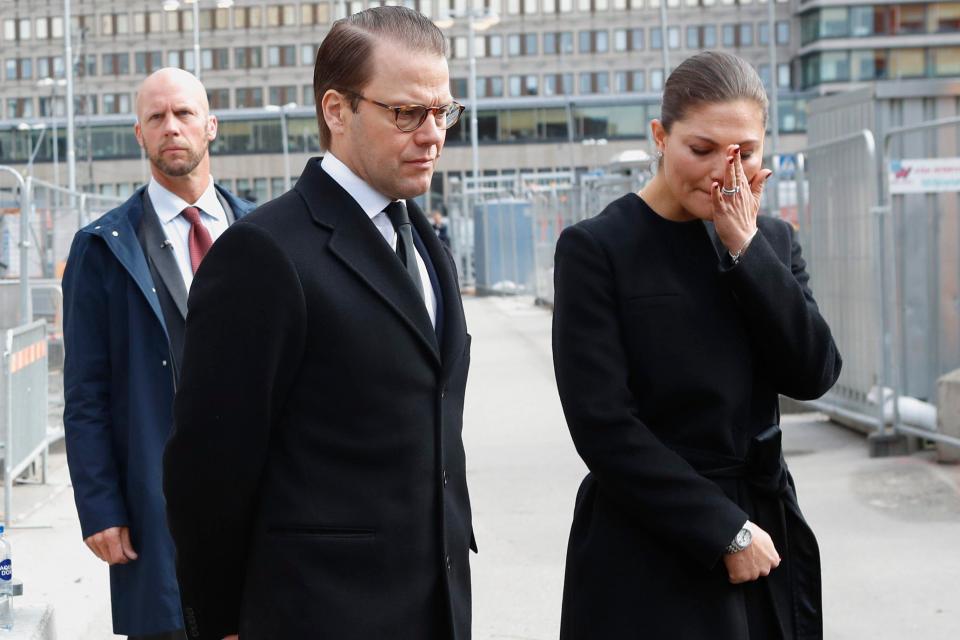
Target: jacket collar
x=358, y=244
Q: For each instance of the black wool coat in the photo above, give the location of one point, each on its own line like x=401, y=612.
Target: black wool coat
x=668, y=362
x=315, y=479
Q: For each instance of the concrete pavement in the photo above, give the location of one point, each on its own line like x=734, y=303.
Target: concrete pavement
x=888, y=529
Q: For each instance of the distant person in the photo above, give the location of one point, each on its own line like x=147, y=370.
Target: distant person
x=315, y=479
x=680, y=315
x=439, y=225
x=125, y=300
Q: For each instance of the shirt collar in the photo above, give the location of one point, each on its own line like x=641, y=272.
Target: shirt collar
x=168, y=205
x=370, y=200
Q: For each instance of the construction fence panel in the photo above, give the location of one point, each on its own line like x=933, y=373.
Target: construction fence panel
x=840, y=234
x=24, y=402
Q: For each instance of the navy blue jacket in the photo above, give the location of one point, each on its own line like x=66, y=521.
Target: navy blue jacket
x=118, y=387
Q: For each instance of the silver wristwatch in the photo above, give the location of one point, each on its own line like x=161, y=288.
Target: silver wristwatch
x=740, y=542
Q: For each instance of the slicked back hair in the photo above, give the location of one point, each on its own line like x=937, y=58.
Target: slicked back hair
x=345, y=57
x=710, y=77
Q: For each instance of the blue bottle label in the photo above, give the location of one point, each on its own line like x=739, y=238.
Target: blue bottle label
x=6, y=570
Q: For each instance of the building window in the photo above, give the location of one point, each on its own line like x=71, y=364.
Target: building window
x=19, y=107
x=87, y=66
x=146, y=62
x=247, y=17
x=214, y=19
x=116, y=103
x=308, y=54
x=248, y=57
x=249, y=97
x=596, y=41
x=182, y=59
x=19, y=69
x=907, y=63
x=215, y=59
x=629, y=81
x=147, y=22
x=180, y=21
x=656, y=38
x=595, y=82
x=112, y=24
x=522, y=44
x=116, y=64
x=308, y=97
x=656, y=80
x=945, y=61
x=558, y=42
x=944, y=17
x=783, y=32
x=49, y=28
x=783, y=75
x=628, y=39
x=315, y=14
x=525, y=85
x=556, y=84
x=281, y=15
x=50, y=67
x=52, y=106
x=746, y=35
x=281, y=56
x=218, y=98
x=491, y=87
x=673, y=37
x=283, y=95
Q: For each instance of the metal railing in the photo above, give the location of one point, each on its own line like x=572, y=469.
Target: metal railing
x=885, y=269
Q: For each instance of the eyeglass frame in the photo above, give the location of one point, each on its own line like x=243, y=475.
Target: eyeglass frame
x=396, y=110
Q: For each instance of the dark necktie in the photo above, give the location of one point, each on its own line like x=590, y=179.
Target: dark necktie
x=199, y=239
x=397, y=212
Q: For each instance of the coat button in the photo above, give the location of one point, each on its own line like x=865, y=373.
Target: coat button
x=115, y=234
x=443, y=393
x=164, y=363
x=444, y=477
x=449, y=564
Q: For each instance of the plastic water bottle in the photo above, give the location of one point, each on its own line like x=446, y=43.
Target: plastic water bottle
x=6, y=583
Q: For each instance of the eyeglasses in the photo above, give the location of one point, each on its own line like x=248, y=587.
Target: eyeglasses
x=409, y=117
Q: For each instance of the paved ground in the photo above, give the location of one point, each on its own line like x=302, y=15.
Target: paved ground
x=889, y=529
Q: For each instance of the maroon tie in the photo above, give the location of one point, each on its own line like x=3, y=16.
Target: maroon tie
x=199, y=238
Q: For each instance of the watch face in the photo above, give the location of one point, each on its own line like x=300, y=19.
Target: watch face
x=744, y=538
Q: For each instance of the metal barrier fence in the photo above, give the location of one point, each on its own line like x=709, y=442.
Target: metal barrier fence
x=923, y=234
x=839, y=236
x=24, y=405
x=885, y=268
x=504, y=229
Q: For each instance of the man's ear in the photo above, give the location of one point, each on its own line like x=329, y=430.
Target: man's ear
x=212, y=127
x=137, y=133
x=336, y=111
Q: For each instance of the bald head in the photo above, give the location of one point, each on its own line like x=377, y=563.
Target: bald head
x=175, y=128
x=168, y=82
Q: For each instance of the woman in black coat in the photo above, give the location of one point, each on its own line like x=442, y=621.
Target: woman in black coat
x=680, y=315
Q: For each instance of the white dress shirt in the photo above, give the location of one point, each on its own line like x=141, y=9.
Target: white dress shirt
x=168, y=206
x=373, y=204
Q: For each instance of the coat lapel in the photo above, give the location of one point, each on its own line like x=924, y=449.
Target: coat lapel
x=160, y=254
x=356, y=241
x=117, y=229
x=454, y=323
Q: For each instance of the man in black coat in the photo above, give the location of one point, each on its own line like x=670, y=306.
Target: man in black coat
x=315, y=480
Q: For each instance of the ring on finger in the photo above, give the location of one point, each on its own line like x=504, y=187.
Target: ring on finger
x=730, y=192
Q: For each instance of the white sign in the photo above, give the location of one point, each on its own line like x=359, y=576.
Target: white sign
x=925, y=175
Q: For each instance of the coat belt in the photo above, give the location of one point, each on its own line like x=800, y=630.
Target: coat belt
x=762, y=486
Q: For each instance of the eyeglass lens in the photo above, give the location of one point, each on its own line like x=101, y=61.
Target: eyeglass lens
x=409, y=118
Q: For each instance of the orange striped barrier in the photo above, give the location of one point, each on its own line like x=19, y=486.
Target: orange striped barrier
x=27, y=356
